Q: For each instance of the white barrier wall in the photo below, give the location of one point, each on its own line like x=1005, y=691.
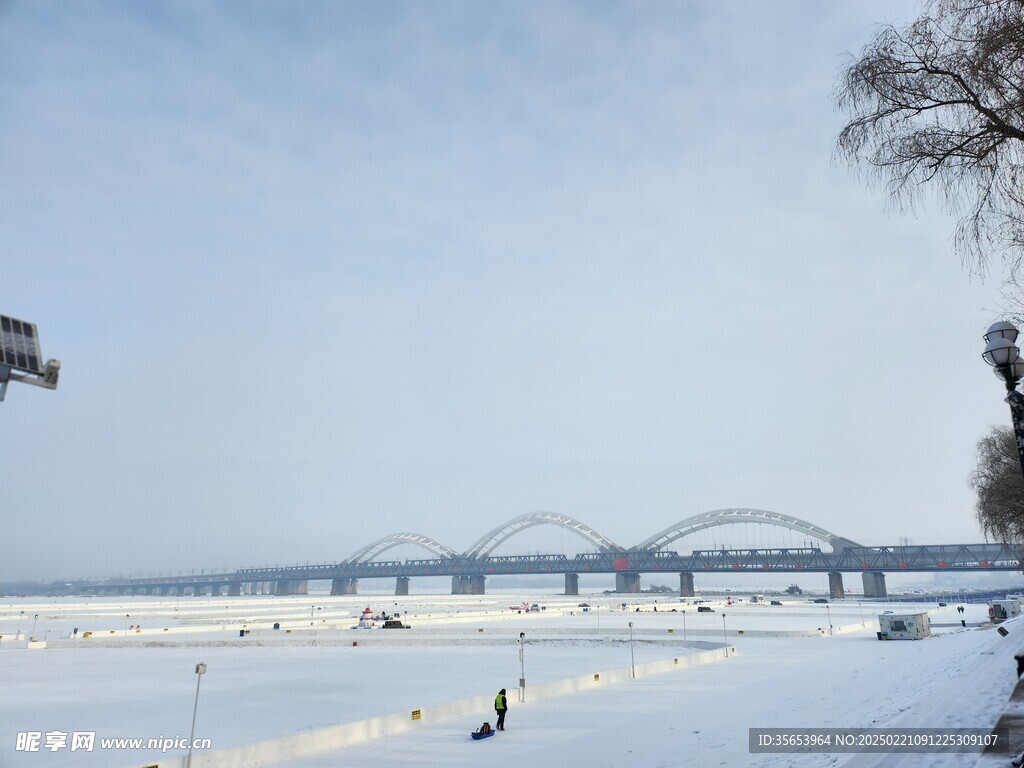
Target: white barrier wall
x=340, y=736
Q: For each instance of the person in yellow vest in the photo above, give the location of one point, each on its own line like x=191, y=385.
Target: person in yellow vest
x=501, y=707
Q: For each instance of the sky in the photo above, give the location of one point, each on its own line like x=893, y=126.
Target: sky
x=320, y=273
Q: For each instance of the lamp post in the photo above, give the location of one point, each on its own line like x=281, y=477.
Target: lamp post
x=200, y=670
x=126, y=617
x=632, y=660
x=861, y=606
x=725, y=640
x=522, y=668
x=21, y=618
x=1002, y=354
x=32, y=636
x=828, y=610
x=684, y=625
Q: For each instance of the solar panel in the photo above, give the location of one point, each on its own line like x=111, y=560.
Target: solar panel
x=19, y=345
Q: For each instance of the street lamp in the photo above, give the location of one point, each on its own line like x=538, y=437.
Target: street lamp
x=34, y=620
x=861, y=606
x=828, y=610
x=1003, y=355
x=126, y=617
x=20, y=358
x=632, y=660
x=200, y=670
x=684, y=625
x=21, y=618
x=725, y=640
x=522, y=668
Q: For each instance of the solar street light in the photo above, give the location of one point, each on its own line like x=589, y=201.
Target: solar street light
x=725, y=638
x=522, y=668
x=632, y=660
x=200, y=671
x=20, y=358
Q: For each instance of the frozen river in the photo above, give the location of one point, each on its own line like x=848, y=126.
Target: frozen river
x=134, y=676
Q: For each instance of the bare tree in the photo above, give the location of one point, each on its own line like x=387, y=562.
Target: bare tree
x=938, y=107
x=998, y=481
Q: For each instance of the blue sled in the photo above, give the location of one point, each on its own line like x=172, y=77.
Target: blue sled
x=477, y=736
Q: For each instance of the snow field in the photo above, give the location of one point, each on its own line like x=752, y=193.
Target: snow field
x=141, y=685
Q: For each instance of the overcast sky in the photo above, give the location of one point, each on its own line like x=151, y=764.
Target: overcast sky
x=322, y=272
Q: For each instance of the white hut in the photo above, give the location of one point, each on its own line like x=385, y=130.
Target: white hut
x=1001, y=610
x=903, y=626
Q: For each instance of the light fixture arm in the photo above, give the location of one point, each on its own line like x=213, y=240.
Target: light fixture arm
x=48, y=380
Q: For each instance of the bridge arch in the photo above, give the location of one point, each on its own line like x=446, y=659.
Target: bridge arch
x=487, y=543
x=370, y=551
x=732, y=516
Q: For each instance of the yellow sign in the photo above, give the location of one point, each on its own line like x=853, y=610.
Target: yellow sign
x=416, y=714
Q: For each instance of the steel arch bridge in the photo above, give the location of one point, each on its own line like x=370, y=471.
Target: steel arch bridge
x=470, y=569
x=733, y=516
x=490, y=540
x=370, y=551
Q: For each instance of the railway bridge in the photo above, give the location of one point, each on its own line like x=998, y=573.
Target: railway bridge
x=831, y=554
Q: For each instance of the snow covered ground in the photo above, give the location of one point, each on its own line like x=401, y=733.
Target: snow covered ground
x=789, y=671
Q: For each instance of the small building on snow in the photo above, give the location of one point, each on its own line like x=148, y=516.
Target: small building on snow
x=903, y=626
x=1001, y=610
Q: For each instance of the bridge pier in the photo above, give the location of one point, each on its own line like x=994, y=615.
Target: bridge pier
x=468, y=585
x=686, y=585
x=874, y=584
x=835, y=585
x=344, y=586
x=402, y=585
x=627, y=582
x=572, y=584
x=235, y=589
x=293, y=587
